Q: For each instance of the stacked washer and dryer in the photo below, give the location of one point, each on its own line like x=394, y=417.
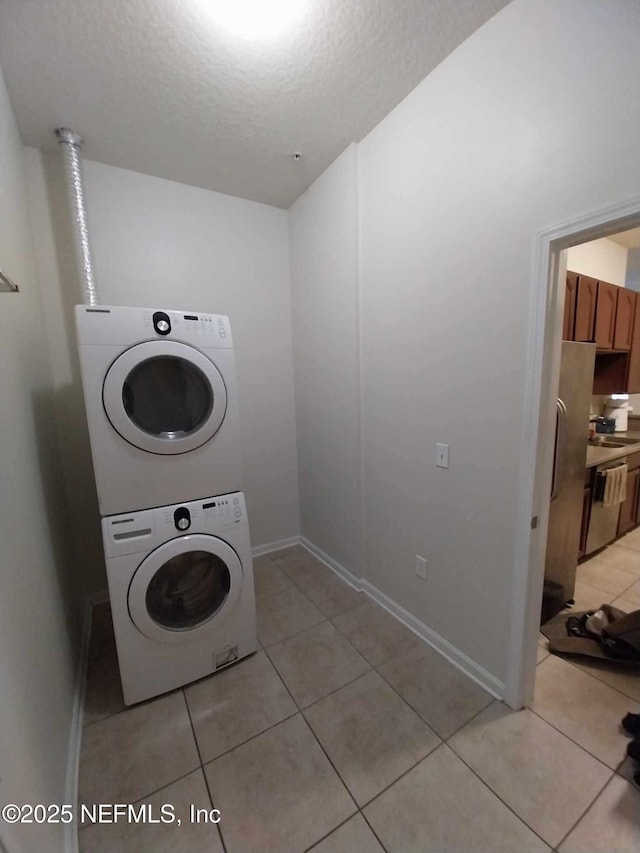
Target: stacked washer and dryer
x=160, y=395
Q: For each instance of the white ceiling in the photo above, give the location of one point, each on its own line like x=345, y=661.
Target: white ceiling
x=156, y=86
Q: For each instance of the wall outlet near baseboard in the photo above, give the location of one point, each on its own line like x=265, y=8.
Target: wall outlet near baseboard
x=421, y=567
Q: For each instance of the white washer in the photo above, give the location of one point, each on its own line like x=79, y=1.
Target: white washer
x=161, y=401
x=181, y=588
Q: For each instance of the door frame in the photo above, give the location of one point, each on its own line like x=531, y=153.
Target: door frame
x=544, y=342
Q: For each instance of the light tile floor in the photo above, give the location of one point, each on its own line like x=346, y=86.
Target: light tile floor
x=345, y=733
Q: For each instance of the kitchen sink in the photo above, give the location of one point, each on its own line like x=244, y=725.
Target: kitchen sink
x=612, y=441
x=605, y=441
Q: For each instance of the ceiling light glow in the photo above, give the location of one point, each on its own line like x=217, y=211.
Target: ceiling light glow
x=255, y=19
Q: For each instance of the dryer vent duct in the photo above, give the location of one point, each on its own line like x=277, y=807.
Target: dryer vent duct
x=70, y=145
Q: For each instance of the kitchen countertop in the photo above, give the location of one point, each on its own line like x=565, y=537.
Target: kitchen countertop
x=598, y=455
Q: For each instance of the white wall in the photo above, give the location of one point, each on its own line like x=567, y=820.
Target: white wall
x=602, y=259
x=324, y=273
x=160, y=243
x=37, y=632
x=513, y=133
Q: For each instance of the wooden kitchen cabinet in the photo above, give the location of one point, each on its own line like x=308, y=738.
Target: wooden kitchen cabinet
x=633, y=365
x=625, y=317
x=606, y=308
x=570, y=297
x=629, y=508
x=585, y=317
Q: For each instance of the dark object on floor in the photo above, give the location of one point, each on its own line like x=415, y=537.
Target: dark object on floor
x=631, y=724
x=606, y=634
x=633, y=750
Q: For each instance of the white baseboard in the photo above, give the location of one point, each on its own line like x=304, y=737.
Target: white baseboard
x=340, y=570
x=470, y=668
x=260, y=550
x=77, y=720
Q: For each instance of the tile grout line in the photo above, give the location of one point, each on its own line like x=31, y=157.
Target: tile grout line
x=590, y=674
x=584, y=813
x=324, y=751
x=204, y=775
x=583, y=748
x=498, y=797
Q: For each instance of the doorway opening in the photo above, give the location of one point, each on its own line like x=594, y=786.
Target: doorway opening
x=556, y=249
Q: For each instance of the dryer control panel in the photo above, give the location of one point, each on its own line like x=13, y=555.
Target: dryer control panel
x=115, y=325
x=134, y=532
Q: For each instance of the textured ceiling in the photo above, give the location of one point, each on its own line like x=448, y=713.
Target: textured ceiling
x=156, y=86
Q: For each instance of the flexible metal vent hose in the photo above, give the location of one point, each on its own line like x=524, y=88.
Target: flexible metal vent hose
x=70, y=145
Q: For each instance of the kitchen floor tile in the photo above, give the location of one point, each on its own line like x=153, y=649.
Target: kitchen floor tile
x=624, y=604
x=541, y=654
x=631, y=540
x=268, y=578
x=633, y=595
x=331, y=595
x=605, y=577
x=103, y=690
x=131, y=837
x=232, y=706
x=583, y=708
x=284, y=614
x=354, y=836
x=131, y=755
x=612, y=824
x=370, y=734
x=441, y=805
x=316, y=662
x=622, y=678
x=587, y=597
x=303, y=568
x=278, y=792
x=622, y=558
x=443, y=695
x=532, y=768
x=375, y=633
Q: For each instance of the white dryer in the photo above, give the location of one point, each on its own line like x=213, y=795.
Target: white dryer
x=160, y=395
x=181, y=588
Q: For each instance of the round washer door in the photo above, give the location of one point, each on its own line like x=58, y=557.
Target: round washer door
x=164, y=397
x=182, y=590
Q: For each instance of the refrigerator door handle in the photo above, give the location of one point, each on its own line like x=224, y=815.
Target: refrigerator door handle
x=558, y=456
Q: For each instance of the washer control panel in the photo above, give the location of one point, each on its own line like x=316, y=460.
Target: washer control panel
x=144, y=530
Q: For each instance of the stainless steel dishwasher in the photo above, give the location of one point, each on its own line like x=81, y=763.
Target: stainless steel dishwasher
x=603, y=524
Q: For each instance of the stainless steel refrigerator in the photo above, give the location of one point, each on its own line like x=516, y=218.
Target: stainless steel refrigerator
x=567, y=490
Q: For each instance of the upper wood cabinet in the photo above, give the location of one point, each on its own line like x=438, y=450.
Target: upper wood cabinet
x=633, y=366
x=584, y=328
x=606, y=307
x=570, y=297
x=598, y=312
x=625, y=317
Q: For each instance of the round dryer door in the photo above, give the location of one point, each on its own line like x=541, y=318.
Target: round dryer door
x=185, y=588
x=164, y=397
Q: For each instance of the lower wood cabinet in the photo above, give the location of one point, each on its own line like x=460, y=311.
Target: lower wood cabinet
x=630, y=508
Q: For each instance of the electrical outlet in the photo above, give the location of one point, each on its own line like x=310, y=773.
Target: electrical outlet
x=442, y=455
x=421, y=568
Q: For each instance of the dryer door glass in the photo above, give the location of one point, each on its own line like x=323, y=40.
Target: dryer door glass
x=188, y=590
x=167, y=396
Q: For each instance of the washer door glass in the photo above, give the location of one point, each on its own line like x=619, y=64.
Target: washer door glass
x=187, y=590
x=164, y=397
x=167, y=396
